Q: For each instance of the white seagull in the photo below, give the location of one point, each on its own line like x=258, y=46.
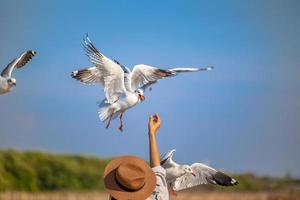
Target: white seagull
x=123, y=89
x=7, y=82
x=180, y=177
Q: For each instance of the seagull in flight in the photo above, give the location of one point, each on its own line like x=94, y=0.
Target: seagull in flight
x=180, y=177
x=7, y=82
x=123, y=88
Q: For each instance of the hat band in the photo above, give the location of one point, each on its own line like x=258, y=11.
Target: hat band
x=126, y=188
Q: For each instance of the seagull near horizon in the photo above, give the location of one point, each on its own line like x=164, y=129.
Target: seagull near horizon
x=180, y=177
x=7, y=82
x=123, y=88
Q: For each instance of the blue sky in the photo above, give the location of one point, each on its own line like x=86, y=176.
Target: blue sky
x=241, y=117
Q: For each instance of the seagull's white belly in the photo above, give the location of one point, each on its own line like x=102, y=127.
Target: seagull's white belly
x=3, y=86
x=2, y=91
x=127, y=102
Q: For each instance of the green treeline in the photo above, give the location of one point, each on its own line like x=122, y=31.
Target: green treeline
x=38, y=171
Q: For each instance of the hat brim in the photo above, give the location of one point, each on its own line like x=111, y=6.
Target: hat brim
x=119, y=193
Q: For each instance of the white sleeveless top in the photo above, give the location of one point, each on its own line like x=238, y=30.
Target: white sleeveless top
x=161, y=190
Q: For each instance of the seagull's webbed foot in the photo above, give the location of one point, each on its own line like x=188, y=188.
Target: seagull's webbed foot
x=174, y=193
x=121, y=128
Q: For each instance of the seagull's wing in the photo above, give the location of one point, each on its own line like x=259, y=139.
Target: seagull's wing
x=105, y=71
x=190, y=69
x=204, y=175
x=127, y=76
x=166, y=160
x=143, y=76
x=18, y=63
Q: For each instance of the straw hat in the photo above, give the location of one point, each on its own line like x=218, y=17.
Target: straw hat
x=129, y=177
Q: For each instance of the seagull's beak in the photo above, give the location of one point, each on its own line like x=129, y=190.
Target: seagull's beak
x=142, y=97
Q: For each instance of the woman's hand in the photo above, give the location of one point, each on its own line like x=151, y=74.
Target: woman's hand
x=153, y=124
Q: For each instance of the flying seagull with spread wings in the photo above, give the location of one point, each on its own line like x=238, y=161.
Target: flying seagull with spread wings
x=123, y=88
x=7, y=82
x=180, y=177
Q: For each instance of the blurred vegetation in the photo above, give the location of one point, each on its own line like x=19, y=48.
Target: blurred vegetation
x=37, y=171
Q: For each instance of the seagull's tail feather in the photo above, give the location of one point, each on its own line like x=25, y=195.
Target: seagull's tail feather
x=105, y=110
x=104, y=113
x=224, y=179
